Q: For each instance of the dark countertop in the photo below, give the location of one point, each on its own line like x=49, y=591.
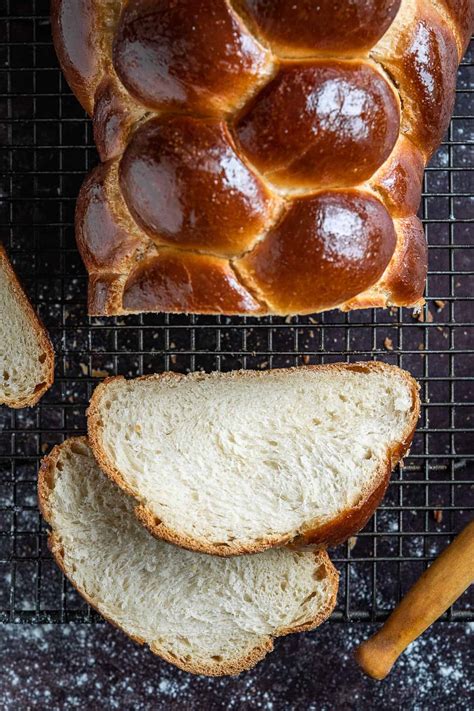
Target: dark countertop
x=96, y=667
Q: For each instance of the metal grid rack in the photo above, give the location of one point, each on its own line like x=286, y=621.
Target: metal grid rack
x=45, y=149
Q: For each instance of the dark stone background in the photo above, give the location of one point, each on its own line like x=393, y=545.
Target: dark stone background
x=97, y=667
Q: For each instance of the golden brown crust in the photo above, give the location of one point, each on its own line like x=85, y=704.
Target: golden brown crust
x=333, y=27
x=107, y=237
x=114, y=118
x=187, y=187
x=73, y=24
x=420, y=53
x=404, y=279
x=403, y=282
x=331, y=533
x=184, y=282
x=461, y=18
x=83, y=32
x=331, y=261
x=39, y=332
x=399, y=181
x=46, y=479
x=185, y=55
x=314, y=97
x=105, y=291
x=329, y=145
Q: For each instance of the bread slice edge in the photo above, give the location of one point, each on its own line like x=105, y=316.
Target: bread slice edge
x=331, y=533
x=40, y=334
x=46, y=479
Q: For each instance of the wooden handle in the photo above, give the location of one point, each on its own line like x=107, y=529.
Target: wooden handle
x=436, y=590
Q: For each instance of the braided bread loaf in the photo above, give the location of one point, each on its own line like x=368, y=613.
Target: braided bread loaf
x=259, y=156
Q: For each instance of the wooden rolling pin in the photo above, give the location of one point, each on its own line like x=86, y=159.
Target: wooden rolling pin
x=436, y=590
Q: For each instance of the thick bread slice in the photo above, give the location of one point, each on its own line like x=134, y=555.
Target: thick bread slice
x=205, y=614
x=26, y=353
x=238, y=462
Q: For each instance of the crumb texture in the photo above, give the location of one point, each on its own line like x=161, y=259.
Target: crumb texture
x=200, y=612
x=25, y=353
x=247, y=457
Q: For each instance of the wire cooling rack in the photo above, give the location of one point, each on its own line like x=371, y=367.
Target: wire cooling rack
x=46, y=148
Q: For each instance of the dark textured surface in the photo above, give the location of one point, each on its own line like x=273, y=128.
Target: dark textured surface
x=95, y=667
x=45, y=151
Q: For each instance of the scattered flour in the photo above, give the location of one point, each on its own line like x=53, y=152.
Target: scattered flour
x=53, y=667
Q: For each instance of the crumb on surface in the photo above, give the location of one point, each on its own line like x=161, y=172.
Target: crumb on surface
x=99, y=373
x=423, y=316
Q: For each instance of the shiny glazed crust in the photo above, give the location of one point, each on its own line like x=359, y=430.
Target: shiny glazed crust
x=46, y=482
x=245, y=143
x=39, y=333
x=330, y=534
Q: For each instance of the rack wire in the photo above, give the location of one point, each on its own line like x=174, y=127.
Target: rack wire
x=46, y=148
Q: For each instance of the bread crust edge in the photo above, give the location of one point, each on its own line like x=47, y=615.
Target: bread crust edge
x=346, y=524
x=40, y=334
x=235, y=666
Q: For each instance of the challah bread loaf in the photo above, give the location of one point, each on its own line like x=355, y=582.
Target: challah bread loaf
x=204, y=614
x=233, y=463
x=259, y=156
x=26, y=353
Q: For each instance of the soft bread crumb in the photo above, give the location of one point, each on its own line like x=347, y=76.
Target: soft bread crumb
x=205, y=614
x=26, y=355
x=245, y=460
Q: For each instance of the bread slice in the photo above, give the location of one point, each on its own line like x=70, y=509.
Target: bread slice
x=26, y=353
x=233, y=463
x=205, y=614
